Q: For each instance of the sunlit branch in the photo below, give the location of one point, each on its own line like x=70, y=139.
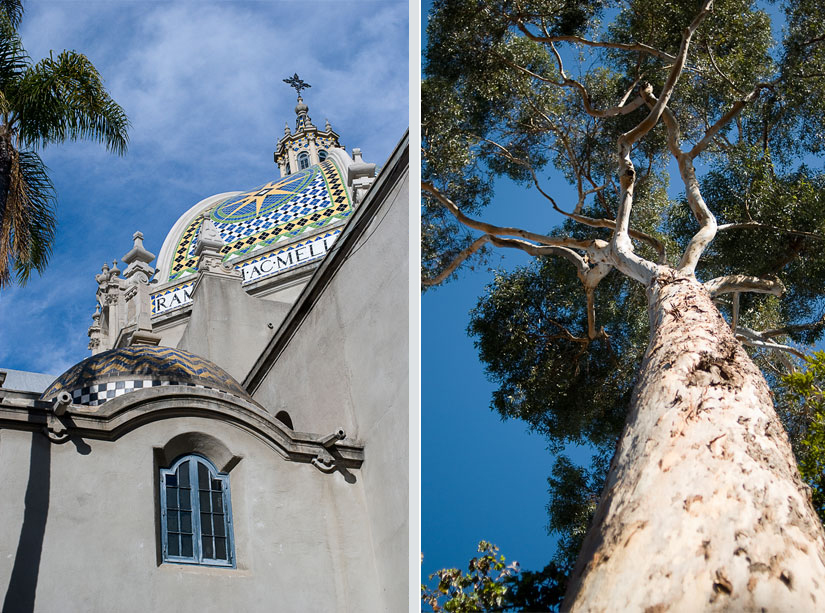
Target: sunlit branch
x=744, y=283
x=625, y=259
x=601, y=223
x=623, y=108
x=753, y=339
x=725, y=119
x=706, y=220
x=637, y=47
x=499, y=230
x=792, y=328
x=457, y=261
x=755, y=225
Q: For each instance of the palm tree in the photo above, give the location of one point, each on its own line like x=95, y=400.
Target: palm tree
x=57, y=99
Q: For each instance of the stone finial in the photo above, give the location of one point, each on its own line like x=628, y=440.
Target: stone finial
x=209, y=239
x=208, y=250
x=114, y=271
x=327, y=127
x=356, y=155
x=103, y=276
x=286, y=129
x=138, y=259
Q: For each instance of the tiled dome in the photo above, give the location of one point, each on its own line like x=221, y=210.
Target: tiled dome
x=116, y=372
x=282, y=210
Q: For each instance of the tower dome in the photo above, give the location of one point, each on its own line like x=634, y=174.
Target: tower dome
x=116, y=372
x=282, y=211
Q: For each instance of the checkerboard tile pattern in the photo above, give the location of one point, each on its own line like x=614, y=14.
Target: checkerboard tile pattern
x=142, y=364
x=97, y=394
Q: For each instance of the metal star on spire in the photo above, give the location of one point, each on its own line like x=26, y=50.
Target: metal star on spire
x=296, y=82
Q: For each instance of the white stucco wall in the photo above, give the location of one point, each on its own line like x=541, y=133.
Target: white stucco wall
x=90, y=532
x=347, y=367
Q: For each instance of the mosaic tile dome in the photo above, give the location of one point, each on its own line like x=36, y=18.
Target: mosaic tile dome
x=280, y=211
x=116, y=372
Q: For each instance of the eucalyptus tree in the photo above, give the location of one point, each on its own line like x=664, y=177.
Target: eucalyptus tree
x=56, y=99
x=638, y=324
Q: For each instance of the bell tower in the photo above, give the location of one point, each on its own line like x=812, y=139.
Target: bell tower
x=308, y=145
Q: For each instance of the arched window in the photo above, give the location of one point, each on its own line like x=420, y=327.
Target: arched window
x=196, y=513
x=322, y=154
x=303, y=160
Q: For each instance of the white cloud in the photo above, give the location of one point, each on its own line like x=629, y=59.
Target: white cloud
x=202, y=85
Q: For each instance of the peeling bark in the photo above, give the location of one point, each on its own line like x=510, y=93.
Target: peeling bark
x=703, y=509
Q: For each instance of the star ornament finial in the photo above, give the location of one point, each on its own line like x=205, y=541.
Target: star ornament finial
x=296, y=82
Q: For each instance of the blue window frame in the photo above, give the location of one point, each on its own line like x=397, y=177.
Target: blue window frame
x=303, y=160
x=196, y=514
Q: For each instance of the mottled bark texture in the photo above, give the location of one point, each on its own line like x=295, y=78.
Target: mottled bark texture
x=703, y=509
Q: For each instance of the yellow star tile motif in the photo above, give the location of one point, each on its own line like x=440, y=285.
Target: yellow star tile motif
x=272, y=188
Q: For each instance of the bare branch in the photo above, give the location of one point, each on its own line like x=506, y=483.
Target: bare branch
x=718, y=70
x=725, y=119
x=602, y=223
x=754, y=225
x=457, y=261
x=582, y=267
x=623, y=108
x=754, y=339
x=744, y=283
x=499, y=230
x=707, y=221
x=791, y=328
x=639, y=47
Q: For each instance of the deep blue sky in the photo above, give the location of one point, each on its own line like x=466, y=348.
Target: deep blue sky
x=481, y=478
x=202, y=85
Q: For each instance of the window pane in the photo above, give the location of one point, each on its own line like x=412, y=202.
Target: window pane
x=174, y=525
x=217, y=502
x=171, y=480
x=183, y=474
x=186, y=522
x=206, y=524
x=171, y=498
x=204, y=501
x=217, y=486
x=186, y=545
x=206, y=543
x=220, y=548
x=185, y=499
x=203, y=477
x=174, y=547
x=219, y=525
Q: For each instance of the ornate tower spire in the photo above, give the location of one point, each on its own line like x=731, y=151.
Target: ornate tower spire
x=308, y=145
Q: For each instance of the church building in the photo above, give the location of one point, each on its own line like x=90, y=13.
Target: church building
x=237, y=439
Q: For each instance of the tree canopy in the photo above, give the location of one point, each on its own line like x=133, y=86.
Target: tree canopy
x=690, y=134
x=57, y=99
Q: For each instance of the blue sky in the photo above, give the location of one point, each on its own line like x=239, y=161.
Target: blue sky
x=202, y=85
x=481, y=478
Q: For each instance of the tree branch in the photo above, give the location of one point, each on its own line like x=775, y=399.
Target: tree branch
x=499, y=230
x=639, y=47
x=744, y=283
x=457, y=261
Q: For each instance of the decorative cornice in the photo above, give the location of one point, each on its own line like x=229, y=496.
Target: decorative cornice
x=123, y=414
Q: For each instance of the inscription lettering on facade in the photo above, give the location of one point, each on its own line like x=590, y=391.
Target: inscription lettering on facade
x=170, y=300
x=288, y=258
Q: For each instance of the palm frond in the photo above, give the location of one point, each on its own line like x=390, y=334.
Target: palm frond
x=27, y=228
x=63, y=98
x=13, y=57
x=13, y=11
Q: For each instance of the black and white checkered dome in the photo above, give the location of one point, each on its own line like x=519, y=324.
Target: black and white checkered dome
x=116, y=372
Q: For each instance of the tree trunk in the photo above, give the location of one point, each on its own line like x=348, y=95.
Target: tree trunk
x=703, y=509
